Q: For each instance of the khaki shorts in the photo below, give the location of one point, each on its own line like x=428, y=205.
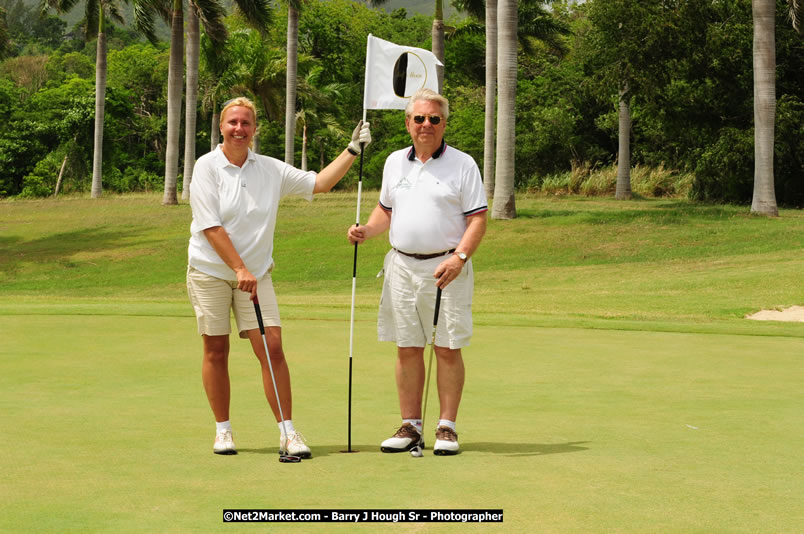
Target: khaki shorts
x=408, y=298
x=213, y=298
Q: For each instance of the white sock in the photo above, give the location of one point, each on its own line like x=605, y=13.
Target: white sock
x=288, y=425
x=447, y=423
x=415, y=422
x=223, y=426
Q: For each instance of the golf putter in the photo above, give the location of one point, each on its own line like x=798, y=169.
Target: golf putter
x=417, y=450
x=284, y=458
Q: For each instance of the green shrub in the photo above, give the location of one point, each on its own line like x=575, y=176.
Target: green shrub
x=41, y=182
x=725, y=170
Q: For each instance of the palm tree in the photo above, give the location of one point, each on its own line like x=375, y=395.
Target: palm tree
x=623, y=188
x=257, y=68
x=534, y=23
x=764, y=15
x=294, y=6
x=213, y=83
x=210, y=15
x=438, y=41
x=491, y=97
x=190, y=100
x=316, y=107
x=96, y=13
x=504, y=206
x=175, y=76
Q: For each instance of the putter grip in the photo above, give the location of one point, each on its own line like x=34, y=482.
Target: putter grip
x=437, y=306
x=259, y=314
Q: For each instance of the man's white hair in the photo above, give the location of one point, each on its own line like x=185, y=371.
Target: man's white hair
x=428, y=94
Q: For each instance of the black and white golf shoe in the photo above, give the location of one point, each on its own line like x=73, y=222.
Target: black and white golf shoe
x=404, y=440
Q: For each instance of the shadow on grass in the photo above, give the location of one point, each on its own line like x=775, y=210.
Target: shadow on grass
x=57, y=248
x=507, y=449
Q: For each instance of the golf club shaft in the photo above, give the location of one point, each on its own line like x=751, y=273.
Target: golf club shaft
x=270, y=366
x=432, y=348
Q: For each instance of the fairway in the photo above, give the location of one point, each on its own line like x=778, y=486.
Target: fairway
x=624, y=394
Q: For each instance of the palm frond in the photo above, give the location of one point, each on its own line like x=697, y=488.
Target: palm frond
x=112, y=10
x=469, y=27
x=92, y=14
x=257, y=13
x=210, y=15
x=474, y=8
x=144, y=22
x=145, y=12
x=794, y=13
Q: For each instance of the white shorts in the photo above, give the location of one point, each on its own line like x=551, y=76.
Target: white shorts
x=408, y=298
x=213, y=298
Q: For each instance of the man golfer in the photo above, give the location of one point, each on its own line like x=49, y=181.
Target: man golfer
x=234, y=198
x=433, y=202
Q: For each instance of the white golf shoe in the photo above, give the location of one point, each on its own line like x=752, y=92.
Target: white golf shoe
x=446, y=442
x=405, y=439
x=296, y=446
x=224, y=443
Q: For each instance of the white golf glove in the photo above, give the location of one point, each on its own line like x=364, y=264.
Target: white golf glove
x=361, y=136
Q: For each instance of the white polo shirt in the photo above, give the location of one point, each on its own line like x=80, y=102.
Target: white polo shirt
x=244, y=201
x=429, y=202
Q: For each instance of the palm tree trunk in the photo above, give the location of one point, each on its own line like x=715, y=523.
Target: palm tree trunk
x=491, y=96
x=215, y=130
x=191, y=92
x=304, y=148
x=100, y=99
x=504, y=206
x=764, y=200
x=290, y=84
x=175, y=77
x=438, y=41
x=623, y=190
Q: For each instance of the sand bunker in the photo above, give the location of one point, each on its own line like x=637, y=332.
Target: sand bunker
x=792, y=314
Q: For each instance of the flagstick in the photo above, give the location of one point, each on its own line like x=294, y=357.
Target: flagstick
x=354, y=286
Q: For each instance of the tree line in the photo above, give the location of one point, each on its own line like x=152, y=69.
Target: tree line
x=672, y=78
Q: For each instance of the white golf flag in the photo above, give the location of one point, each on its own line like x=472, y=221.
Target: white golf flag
x=394, y=73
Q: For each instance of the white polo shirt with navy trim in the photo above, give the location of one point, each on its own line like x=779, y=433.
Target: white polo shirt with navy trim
x=244, y=201
x=429, y=201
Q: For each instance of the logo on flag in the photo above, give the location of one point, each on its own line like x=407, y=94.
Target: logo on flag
x=394, y=73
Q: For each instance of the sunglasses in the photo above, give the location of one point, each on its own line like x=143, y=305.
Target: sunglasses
x=434, y=119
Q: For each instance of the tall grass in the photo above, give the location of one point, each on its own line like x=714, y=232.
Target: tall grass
x=584, y=179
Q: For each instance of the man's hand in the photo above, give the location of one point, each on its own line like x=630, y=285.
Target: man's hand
x=361, y=137
x=448, y=270
x=356, y=234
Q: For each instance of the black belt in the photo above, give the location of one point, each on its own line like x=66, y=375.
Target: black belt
x=425, y=256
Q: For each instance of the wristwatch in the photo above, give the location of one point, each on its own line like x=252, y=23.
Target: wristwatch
x=462, y=255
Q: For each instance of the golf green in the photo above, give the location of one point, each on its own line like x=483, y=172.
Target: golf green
x=107, y=428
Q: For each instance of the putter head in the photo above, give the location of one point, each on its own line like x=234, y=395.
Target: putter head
x=288, y=459
x=416, y=452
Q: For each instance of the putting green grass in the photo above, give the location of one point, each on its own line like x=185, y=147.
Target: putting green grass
x=566, y=430
x=613, y=383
